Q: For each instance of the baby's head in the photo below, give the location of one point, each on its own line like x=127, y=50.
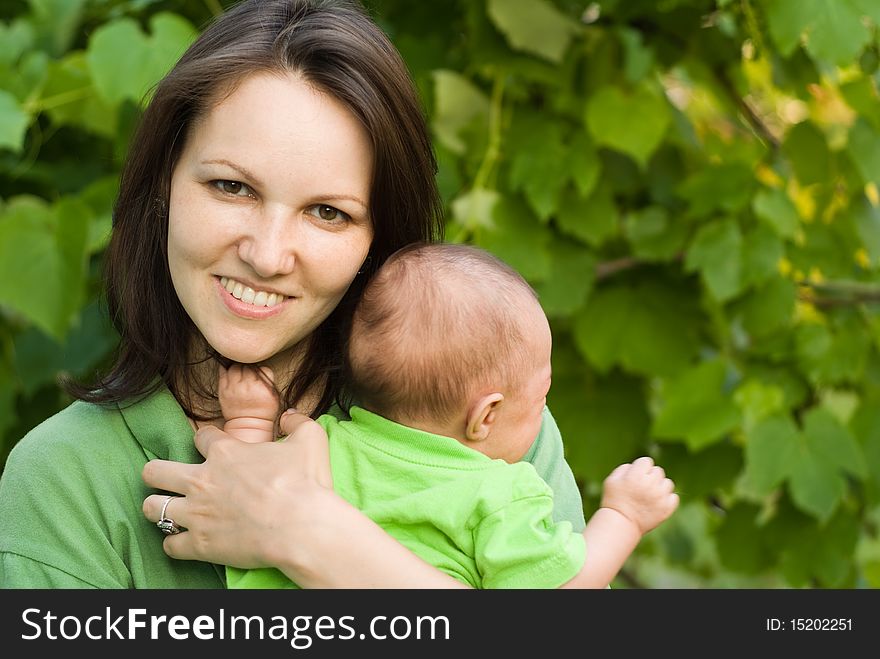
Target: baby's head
x=449, y=339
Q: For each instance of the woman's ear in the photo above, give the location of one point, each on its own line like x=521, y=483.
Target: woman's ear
x=482, y=415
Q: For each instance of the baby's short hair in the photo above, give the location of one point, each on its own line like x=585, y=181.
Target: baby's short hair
x=437, y=322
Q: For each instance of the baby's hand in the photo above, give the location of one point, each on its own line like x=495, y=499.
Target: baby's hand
x=243, y=393
x=641, y=492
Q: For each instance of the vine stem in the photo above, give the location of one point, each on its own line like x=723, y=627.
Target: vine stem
x=214, y=7
x=493, y=149
x=41, y=105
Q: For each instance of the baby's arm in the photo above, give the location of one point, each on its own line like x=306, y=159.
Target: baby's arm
x=249, y=404
x=636, y=498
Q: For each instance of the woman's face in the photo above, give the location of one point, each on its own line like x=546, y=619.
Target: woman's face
x=268, y=216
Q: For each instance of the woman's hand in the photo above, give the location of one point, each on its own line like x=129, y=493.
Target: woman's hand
x=246, y=505
x=272, y=505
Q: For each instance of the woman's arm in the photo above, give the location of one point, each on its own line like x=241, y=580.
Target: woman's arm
x=273, y=505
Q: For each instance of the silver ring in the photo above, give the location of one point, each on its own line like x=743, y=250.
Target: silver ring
x=166, y=524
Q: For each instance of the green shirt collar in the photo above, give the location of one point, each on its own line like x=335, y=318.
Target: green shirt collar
x=160, y=426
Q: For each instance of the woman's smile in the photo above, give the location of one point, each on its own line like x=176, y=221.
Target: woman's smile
x=244, y=301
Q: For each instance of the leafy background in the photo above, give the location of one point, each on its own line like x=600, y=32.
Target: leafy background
x=691, y=186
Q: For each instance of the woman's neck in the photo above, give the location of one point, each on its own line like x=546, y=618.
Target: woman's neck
x=199, y=391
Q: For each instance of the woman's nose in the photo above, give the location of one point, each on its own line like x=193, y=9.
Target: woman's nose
x=268, y=245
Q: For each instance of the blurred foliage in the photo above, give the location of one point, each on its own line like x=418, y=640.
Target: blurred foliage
x=691, y=186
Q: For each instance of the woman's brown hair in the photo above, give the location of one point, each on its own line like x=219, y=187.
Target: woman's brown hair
x=338, y=48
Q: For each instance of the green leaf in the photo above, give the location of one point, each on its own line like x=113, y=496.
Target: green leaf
x=474, y=209
x=771, y=448
x=42, y=260
x=696, y=407
x=116, y=55
x=632, y=122
x=739, y=542
x=768, y=308
x=170, y=36
x=868, y=8
x=701, y=474
x=73, y=218
x=822, y=554
x=866, y=218
x=57, y=21
x=776, y=209
x=758, y=400
x=654, y=236
x=518, y=238
x=716, y=255
x=572, y=273
x=832, y=442
x=99, y=197
x=647, y=328
x=727, y=188
x=7, y=405
x=533, y=26
x=808, y=153
x=833, y=29
x=39, y=360
x=638, y=58
x=816, y=487
x=762, y=251
x=865, y=426
x=584, y=165
x=836, y=357
x=840, y=403
x=30, y=264
x=457, y=103
x=604, y=421
x=26, y=80
x=14, y=122
x=594, y=219
x=862, y=96
x=15, y=39
x=837, y=33
x=864, y=148
x=71, y=97
x=539, y=167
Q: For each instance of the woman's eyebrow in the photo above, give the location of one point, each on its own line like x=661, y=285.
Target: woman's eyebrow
x=343, y=197
x=241, y=170
x=256, y=181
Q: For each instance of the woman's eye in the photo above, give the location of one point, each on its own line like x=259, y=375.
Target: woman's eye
x=234, y=188
x=328, y=213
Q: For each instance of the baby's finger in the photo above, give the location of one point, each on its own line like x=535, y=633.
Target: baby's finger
x=267, y=371
x=643, y=465
x=618, y=473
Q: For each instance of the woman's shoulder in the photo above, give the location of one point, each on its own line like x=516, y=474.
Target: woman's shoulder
x=78, y=428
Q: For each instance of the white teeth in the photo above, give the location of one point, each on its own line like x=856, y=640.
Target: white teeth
x=249, y=295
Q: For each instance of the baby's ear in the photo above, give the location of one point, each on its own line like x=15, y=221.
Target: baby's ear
x=482, y=416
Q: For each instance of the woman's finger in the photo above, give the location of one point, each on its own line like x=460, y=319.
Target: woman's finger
x=170, y=476
x=207, y=436
x=175, y=510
